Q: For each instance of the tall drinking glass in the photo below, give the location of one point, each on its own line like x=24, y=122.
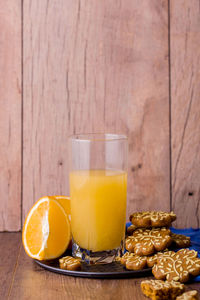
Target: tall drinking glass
x=98, y=188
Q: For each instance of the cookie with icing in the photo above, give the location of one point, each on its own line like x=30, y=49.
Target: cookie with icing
x=177, y=266
x=69, y=263
x=152, y=260
x=190, y=295
x=160, y=290
x=148, y=241
x=136, y=262
x=131, y=229
x=148, y=219
x=133, y=261
x=180, y=240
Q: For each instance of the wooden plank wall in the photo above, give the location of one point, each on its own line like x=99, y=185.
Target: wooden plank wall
x=10, y=115
x=101, y=76
x=108, y=66
x=185, y=108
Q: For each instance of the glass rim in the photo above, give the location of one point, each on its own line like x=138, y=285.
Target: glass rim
x=97, y=137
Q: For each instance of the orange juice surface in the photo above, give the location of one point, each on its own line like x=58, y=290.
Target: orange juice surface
x=98, y=208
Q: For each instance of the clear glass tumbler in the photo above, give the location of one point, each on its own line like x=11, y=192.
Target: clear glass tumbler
x=98, y=191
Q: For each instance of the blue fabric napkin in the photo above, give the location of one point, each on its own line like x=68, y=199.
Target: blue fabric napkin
x=194, y=235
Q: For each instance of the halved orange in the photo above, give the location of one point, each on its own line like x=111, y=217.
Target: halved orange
x=46, y=231
x=65, y=203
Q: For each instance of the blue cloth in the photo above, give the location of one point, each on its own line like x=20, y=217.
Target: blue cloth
x=194, y=235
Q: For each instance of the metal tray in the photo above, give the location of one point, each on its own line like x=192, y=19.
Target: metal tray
x=113, y=270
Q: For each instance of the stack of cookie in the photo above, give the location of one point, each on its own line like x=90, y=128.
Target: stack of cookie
x=149, y=237
x=155, y=225
x=148, y=240
x=147, y=243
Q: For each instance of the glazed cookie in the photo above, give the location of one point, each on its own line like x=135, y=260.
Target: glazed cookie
x=160, y=290
x=133, y=261
x=152, y=219
x=125, y=257
x=148, y=241
x=130, y=229
x=180, y=240
x=152, y=260
x=136, y=262
x=118, y=258
x=69, y=263
x=177, y=266
x=190, y=295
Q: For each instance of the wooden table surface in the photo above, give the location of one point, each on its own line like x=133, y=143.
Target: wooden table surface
x=21, y=278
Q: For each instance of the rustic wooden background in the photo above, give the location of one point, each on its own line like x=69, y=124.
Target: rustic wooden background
x=129, y=66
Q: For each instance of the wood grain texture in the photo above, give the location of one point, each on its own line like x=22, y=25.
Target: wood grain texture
x=185, y=107
x=10, y=115
x=96, y=66
x=32, y=282
x=9, y=251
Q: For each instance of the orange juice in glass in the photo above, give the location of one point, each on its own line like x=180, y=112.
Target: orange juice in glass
x=98, y=187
